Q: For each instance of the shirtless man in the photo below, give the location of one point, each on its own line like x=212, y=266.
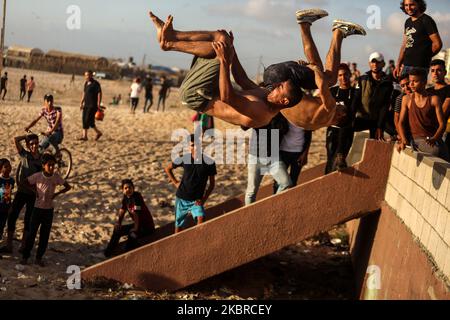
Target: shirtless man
x=254, y=107
x=314, y=113
x=202, y=90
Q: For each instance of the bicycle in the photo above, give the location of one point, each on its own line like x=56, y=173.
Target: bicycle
x=63, y=158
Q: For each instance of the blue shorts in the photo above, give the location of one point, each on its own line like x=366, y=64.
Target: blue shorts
x=183, y=208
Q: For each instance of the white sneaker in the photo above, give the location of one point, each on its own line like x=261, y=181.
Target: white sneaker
x=310, y=15
x=348, y=28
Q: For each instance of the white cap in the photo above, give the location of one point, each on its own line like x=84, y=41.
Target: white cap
x=377, y=56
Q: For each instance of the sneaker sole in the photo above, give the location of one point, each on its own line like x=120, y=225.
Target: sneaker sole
x=311, y=12
x=351, y=24
x=316, y=13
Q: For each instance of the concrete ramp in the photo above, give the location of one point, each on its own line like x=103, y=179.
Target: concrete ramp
x=236, y=237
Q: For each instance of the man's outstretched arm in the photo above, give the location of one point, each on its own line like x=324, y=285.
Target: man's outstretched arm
x=328, y=100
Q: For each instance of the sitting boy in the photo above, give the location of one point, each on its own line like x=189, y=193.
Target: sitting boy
x=143, y=225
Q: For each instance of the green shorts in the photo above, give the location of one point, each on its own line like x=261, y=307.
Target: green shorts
x=201, y=84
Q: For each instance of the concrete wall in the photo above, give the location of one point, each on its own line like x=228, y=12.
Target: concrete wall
x=408, y=244
x=419, y=190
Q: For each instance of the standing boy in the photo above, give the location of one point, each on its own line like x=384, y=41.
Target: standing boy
x=45, y=183
x=30, y=88
x=23, y=87
x=191, y=196
x=30, y=163
x=4, y=85
x=6, y=187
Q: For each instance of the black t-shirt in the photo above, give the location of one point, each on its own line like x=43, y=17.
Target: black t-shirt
x=3, y=81
x=164, y=87
x=23, y=84
x=91, y=90
x=418, y=49
x=195, y=177
x=443, y=93
x=148, y=89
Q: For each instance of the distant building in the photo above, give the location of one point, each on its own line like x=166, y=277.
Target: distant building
x=21, y=57
x=58, y=61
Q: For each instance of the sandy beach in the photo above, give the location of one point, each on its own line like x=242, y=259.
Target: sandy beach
x=133, y=146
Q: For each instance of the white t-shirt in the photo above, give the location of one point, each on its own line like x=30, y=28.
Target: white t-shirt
x=135, y=90
x=294, y=140
x=45, y=188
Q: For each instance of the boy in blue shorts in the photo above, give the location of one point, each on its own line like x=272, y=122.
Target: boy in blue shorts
x=191, y=195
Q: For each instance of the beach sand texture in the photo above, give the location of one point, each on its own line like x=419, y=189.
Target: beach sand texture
x=133, y=146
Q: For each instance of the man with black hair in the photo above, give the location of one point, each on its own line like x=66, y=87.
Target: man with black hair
x=403, y=81
x=441, y=89
x=421, y=40
x=191, y=193
x=374, y=99
x=424, y=114
x=339, y=139
x=90, y=104
x=23, y=87
x=54, y=134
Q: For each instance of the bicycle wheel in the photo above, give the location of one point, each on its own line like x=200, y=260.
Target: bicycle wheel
x=64, y=163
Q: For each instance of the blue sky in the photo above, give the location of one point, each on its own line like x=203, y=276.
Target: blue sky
x=267, y=28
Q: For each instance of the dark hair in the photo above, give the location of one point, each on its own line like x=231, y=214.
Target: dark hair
x=422, y=74
x=90, y=72
x=47, y=157
x=294, y=94
x=127, y=181
x=422, y=4
x=4, y=161
x=403, y=77
x=48, y=97
x=344, y=66
x=31, y=137
x=437, y=62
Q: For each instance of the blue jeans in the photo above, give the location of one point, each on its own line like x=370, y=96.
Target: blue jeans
x=257, y=168
x=55, y=139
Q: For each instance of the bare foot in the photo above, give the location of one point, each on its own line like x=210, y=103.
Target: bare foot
x=159, y=24
x=167, y=34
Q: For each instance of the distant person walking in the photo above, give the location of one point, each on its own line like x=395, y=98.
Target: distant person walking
x=23, y=87
x=4, y=85
x=421, y=40
x=135, y=92
x=90, y=103
x=148, y=94
x=30, y=88
x=72, y=80
x=355, y=74
x=163, y=92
